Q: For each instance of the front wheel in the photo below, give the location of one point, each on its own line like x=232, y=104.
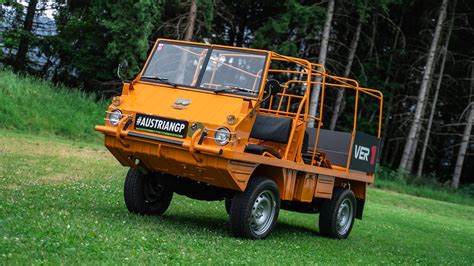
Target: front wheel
x=336, y=217
x=254, y=212
x=145, y=194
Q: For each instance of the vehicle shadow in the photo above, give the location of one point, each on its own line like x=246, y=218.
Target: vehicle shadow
x=198, y=223
x=284, y=229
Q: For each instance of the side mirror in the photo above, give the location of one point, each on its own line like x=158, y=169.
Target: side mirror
x=272, y=87
x=122, y=67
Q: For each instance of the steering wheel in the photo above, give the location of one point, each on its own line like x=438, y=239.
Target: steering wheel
x=272, y=87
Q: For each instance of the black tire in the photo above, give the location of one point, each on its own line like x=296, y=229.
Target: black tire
x=329, y=225
x=145, y=195
x=227, y=204
x=254, y=212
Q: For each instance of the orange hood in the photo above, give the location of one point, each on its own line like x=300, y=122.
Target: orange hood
x=205, y=107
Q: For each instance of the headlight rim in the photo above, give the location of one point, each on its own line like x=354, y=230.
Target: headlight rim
x=228, y=133
x=114, y=122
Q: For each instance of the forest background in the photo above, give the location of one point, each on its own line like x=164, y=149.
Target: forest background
x=419, y=53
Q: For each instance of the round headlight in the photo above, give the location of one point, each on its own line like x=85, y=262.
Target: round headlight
x=114, y=117
x=222, y=136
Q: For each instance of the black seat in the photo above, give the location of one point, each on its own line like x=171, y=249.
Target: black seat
x=269, y=128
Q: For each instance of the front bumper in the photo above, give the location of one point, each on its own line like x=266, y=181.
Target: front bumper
x=185, y=157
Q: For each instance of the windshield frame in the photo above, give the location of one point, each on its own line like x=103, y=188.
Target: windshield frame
x=205, y=63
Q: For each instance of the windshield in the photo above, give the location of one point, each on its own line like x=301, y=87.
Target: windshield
x=179, y=64
x=223, y=70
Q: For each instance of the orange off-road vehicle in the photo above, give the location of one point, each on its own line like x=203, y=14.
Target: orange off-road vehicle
x=215, y=122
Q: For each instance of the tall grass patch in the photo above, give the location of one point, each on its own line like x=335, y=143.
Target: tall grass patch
x=33, y=105
x=423, y=186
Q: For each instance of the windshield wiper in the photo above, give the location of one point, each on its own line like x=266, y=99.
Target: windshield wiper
x=233, y=88
x=161, y=79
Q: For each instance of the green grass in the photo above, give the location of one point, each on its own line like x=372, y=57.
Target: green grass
x=61, y=202
x=443, y=194
x=423, y=186
x=32, y=105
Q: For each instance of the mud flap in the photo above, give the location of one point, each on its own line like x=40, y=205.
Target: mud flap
x=360, y=208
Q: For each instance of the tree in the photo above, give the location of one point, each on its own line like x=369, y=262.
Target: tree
x=340, y=92
x=94, y=37
x=389, y=94
x=186, y=20
x=444, y=52
x=289, y=30
x=414, y=147
x=313, y=105
x=423, y=92
x=364, y=8
x=465, y=137
x=21, y=54
x=188, y=35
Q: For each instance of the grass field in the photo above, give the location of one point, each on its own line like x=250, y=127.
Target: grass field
x=61, y=202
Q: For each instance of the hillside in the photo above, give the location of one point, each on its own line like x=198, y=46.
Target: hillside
x=36, y=106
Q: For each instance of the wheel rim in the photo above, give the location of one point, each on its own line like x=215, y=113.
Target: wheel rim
x=344, y=216
x=263, y=212
x=153, y=191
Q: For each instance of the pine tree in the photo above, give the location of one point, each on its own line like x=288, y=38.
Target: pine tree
x=95, y=37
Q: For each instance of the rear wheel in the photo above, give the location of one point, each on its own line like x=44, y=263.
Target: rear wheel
x=254, y=212
x=145, y=194
x=337, y=214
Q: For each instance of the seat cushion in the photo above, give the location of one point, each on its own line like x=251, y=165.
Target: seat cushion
x=271, y=128
x=260, y=149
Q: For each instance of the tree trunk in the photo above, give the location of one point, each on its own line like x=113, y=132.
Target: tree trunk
x=465, y=138
x=188, y=35
x=350, y=59
x=463, y=147
x=395, y=151
x=240, y=36
x=414, y=146
x=372, y=38
x=322, y=61
x=435, y=97
x=20, y=59
x=387, y=114
x=408, y=149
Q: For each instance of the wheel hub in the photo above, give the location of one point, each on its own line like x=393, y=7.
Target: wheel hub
x=344, y=216
x=259, y=212
x=263, y=212
x=153, y=191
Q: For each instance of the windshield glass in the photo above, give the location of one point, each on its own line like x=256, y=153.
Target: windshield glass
x=223, y=70
x=178, y=64
x=234, y=71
